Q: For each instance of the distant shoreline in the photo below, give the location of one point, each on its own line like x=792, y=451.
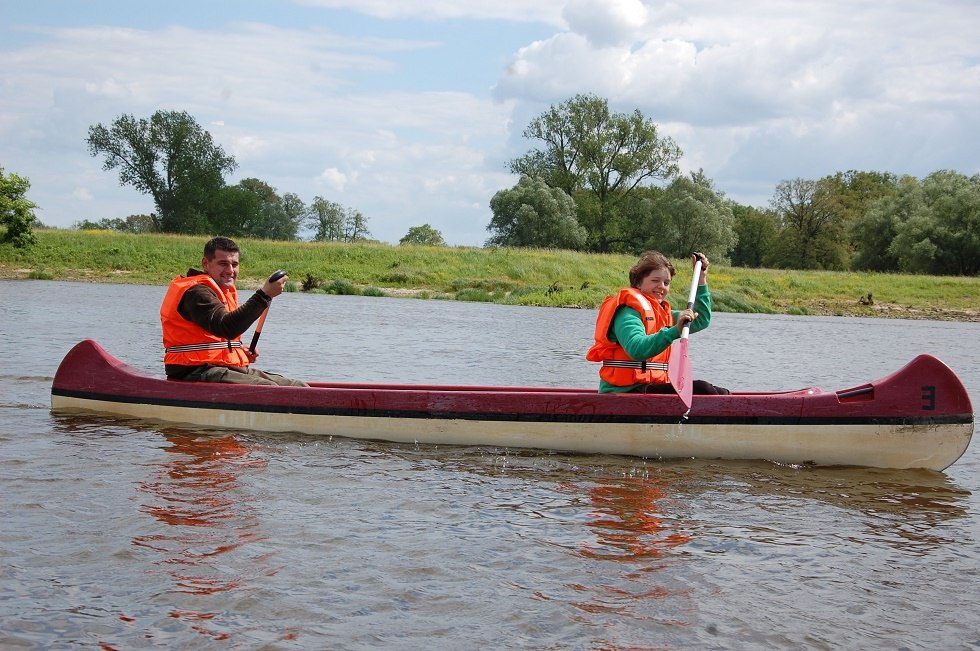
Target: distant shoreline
x=525, y=277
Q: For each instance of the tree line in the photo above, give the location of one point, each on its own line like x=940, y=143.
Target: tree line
x=596, y=181
x=171, y=158
x=607, y=182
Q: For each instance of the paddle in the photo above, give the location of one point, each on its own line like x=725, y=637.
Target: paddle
x=679, y=364
x=258, y=327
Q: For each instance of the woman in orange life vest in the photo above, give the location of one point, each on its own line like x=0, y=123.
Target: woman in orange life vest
x=203, y=322
x=636, y=327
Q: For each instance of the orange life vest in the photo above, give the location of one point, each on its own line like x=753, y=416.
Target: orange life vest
x=618, y=368
x=187, y=343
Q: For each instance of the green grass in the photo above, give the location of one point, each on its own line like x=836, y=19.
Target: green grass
x=532, y=277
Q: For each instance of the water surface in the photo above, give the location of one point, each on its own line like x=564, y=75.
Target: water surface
x=128, y=535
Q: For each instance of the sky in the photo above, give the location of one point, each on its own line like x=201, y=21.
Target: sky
x=410, y=110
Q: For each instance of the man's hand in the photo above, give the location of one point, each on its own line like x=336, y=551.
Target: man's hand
x=273, y=288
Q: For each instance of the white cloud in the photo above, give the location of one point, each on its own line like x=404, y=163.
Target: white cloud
x=808, y=88
x=606, y=22
x=370, y=116
x=82, y=194
x=333, y=178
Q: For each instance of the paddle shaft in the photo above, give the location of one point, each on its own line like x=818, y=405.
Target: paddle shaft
x=258, y=326
x=685, y=331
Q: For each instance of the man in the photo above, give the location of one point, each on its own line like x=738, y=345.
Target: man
x=203, y=322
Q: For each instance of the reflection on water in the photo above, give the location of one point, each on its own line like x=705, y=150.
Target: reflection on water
x=196, y=494
x=628, y=523
x=906, y=510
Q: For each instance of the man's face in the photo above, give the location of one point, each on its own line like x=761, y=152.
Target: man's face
x=223, y=268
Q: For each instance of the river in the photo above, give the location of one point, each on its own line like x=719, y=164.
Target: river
x=128, y=535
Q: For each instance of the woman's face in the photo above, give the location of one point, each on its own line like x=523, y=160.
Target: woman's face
x=656, y=284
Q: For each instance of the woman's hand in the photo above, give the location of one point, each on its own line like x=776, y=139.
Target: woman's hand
x=685, y=317
x=703, y=278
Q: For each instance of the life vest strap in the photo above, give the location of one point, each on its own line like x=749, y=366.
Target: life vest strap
x=211, y=345
x=629, y=363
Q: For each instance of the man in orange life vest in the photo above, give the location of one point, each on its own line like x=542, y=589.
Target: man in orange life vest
x=203, y=322
x=635, y=328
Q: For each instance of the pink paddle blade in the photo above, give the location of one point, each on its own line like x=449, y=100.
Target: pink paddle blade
x=679, y=371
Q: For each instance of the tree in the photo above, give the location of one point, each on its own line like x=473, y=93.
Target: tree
x=697, y=218
x=331, y=221
x=605, y=155
x=253, y=208
x=850, y=195
x=755, y=231
x=938, y=226
x=424, y=235
x=326, y=218
x=171, y=158
x=293, y=214
x=811, y=236
x=132, y=224
x=355, y=226
x=873, y=232
x=16, y=210
x=235, y=211
x=532, y=214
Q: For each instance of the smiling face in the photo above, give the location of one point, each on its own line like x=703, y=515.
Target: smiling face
x=223, y=268
x=656, y=284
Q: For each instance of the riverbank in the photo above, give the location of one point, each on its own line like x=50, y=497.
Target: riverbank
x=508, y=276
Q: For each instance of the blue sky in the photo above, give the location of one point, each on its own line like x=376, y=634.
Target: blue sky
x=409, y=110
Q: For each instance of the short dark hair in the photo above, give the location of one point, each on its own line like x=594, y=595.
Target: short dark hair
x=649, y=260
x=219, y=244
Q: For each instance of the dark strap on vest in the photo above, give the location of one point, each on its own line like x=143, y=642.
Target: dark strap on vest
x=629, y=363
x=211, y=345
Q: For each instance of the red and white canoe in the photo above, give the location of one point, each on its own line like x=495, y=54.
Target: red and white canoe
x=917, y=417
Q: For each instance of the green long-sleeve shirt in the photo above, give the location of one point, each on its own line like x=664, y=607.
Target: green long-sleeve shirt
x=628, y=330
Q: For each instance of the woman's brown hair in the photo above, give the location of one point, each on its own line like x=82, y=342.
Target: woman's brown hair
x=649, y=260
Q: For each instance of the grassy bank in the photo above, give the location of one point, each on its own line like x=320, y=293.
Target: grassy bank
x=516, y=277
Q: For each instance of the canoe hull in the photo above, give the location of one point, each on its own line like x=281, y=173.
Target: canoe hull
x=918, y=417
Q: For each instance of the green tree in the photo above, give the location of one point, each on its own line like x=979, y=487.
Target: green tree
x=235, y=211
x=355, y=226
x=873, y=231
x=326, y=219
x=695, y=217
x=331, y=221
x=132, y=224
x=938, y=225
x=587, y=149
x=141, y=224
x=850, y=195
x=294, y=212
x=811, y=234
x=170, y=157
x=424, y=235
x=253, y=208
x=16, y=210
x=755, y=231
x=532, y=214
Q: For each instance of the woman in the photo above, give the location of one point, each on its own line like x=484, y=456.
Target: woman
x=636, y=327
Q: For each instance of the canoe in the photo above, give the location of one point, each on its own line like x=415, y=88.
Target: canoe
x=917, y=417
